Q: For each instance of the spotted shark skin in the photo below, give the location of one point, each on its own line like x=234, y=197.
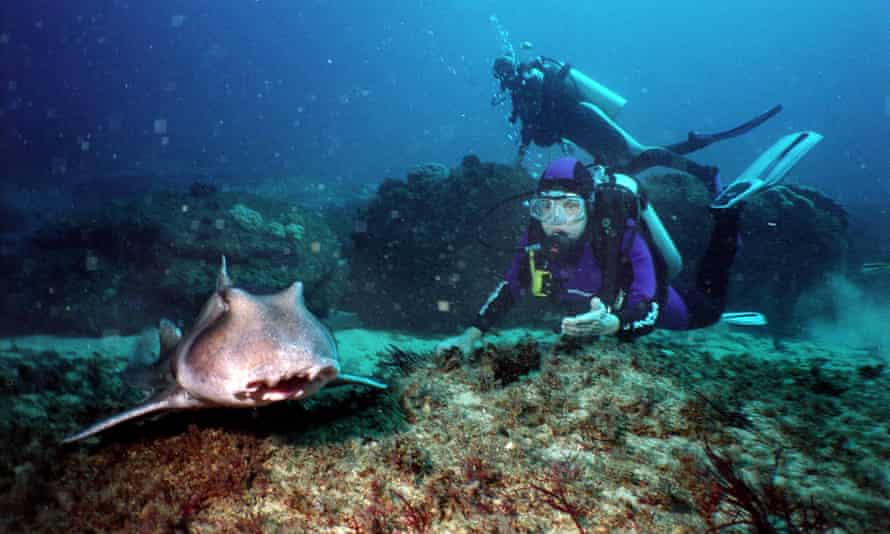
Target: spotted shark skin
x=244, y=351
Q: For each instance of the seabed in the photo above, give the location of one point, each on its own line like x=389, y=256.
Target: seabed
x=715, y=430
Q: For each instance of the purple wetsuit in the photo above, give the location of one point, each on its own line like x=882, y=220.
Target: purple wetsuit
x=646, y=305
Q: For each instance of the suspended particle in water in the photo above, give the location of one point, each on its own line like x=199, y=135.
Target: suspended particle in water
x=91, y=262
x=59, y=166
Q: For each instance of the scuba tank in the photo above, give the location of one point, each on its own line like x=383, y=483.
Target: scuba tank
x=661, y=240
x=581, y=87
x=617, y=198
x=589, y=90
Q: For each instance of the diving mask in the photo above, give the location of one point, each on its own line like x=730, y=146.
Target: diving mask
x=557, y=208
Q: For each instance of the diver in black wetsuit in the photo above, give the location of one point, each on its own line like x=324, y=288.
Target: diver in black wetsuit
x=555, y=101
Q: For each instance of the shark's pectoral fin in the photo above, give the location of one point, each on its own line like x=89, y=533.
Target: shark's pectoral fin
x=174, y=399
x=345, y=379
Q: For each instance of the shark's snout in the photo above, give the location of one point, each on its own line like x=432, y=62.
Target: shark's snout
x=291, y=386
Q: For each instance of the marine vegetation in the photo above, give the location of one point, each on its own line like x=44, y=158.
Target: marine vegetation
x=687, y=433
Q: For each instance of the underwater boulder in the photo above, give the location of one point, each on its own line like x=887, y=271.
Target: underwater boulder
x=417, y=262
x=791, y=237
x=143, y=257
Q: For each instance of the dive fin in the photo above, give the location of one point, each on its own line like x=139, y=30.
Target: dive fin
x=698, y=141
x=346, y=379
x=744, y=319
x=768, y=169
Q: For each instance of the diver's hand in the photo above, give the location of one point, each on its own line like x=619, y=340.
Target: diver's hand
x=597, y=322
x=463, y=342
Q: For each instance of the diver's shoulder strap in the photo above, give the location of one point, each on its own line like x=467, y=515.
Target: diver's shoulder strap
x=555, y=74
x=550, y=64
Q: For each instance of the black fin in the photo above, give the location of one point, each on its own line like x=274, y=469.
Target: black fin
x=698, y=141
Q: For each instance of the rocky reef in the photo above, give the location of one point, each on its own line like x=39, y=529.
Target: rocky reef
x=140, y=258
x=792, y=237
x=418, y=264
x=417, y=261
x=423, y=254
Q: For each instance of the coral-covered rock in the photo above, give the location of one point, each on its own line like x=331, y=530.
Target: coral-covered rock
x=418, y=263
x=792, y=236
x=136, y=260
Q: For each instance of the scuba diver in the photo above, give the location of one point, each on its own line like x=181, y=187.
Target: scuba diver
x=555, y=101
x=591, y=247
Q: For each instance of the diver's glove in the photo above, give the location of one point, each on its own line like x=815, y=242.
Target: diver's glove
x=597, y=322
x=463, y=342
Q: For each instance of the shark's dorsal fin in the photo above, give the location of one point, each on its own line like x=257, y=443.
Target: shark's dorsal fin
x=223, y=280
x=292, y=296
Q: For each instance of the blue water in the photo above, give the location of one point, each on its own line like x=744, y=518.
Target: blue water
x=355, y=91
